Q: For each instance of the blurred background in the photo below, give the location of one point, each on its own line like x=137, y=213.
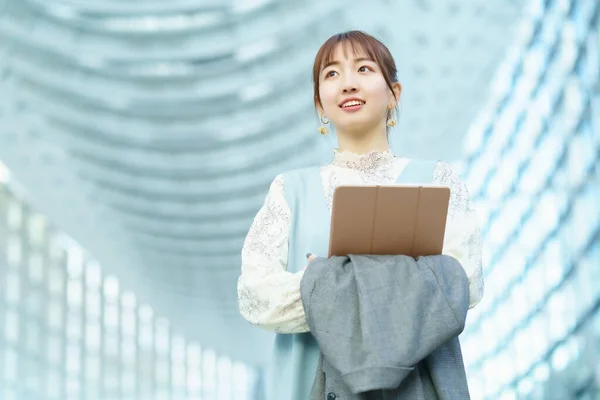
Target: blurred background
x=138, y=140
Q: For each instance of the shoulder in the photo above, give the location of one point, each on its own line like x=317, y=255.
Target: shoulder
x=445, y=173
x=285, y=182
x=299, y=176
x=290, y=174
x=435, y=171
x=297, y=172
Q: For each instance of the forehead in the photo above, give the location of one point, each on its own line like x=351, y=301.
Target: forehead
x=346, y=50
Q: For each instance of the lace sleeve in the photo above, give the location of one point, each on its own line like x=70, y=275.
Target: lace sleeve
x=269, y=295
x=462, y=240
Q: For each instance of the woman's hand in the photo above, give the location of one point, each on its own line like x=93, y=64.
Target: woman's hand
x=310, y=257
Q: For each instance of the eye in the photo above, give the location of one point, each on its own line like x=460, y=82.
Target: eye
x=365, y=68
x=330, y=74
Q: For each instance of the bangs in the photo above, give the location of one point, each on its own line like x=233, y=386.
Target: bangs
x=360, y=46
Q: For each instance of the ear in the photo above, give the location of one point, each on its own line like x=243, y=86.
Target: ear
x=397, y=91
x=319, y=106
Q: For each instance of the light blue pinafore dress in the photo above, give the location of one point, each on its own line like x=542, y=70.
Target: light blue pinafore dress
x=296, y=355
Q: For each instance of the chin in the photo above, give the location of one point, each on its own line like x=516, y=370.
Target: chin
x=355, y=128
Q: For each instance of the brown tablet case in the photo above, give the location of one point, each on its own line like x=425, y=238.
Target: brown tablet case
x=401, y=219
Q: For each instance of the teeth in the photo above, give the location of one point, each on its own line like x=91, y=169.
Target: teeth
x=352, y=103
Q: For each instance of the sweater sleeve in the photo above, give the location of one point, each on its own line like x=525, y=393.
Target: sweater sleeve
x=269, y=295
x=462, y=239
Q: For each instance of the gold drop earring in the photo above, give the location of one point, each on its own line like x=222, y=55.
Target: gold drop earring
x=391, y=121
x=323, y=129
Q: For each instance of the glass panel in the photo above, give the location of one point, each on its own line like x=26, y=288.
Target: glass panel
x=93, y=275
x=111, y=344
x=162, y=337
x=73, y=359
x=14, y=251
x=33, y=337
x=15, y=215
x=209, y=373
x=54, y=384
x=73, y=388
x=37, y=229
x=11, y=327
x=93, y=304
x=111, y=288
x=128, y=324
x=128, y=351
x=13, y=287
x=74, y=293
x=36, y=268
x=111, y=316
x=146, y=314
x=128, y=381
x=75, y=262
x=56, y=281
x=92, y=367
x=93, y=332
x=162, y=372
x=224, y=378
x=178, y=349
x=128, y=301
x=55, y=350
x=11, y=365
x=55, y=315
x=74, y=326
x=178, y=378
x=111, y=377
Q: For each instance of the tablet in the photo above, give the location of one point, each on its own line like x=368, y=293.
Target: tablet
x=388, y=220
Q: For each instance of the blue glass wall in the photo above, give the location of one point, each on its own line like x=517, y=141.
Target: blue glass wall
x=532, y=164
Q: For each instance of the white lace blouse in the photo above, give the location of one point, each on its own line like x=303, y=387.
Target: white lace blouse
x=269, y=295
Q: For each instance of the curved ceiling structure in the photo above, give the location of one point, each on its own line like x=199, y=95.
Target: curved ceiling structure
x=150, y=131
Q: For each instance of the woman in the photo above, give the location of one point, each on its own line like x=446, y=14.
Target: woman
x=357, y=90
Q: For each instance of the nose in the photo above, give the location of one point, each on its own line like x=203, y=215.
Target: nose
x=350, y=89
x=349, y=85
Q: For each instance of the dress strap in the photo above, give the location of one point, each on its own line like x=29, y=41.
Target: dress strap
x=417, y=171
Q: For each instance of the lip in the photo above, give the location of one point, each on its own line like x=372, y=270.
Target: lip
x=351, y=99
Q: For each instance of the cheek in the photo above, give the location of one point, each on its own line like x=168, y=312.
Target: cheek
x=379, y=91
x=328, y=96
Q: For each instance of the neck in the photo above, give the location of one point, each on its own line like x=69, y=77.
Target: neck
x=361, y=143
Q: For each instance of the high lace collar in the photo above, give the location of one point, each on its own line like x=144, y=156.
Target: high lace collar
x=368, y=161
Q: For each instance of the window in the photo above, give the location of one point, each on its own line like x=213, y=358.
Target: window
x=54, y=348
x=74, y=293
x=36, y=269
x=37, y=229
x=13, y=288
x=11, y=327
x=56, y=282
x=111, y=288
x=15, y=215
x=33, y=337
x=14, y=251
x=93, y=275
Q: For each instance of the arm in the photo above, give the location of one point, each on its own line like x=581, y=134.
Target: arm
x=269, y=295
x=462, y=240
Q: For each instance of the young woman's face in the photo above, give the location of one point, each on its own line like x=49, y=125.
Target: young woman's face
x=353, y=91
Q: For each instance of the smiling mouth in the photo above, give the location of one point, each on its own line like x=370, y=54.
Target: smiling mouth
x=352, y=104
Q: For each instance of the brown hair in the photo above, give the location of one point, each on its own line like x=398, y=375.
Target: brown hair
x=357, y=40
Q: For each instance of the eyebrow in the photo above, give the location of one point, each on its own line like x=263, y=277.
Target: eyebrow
x=356, y=60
